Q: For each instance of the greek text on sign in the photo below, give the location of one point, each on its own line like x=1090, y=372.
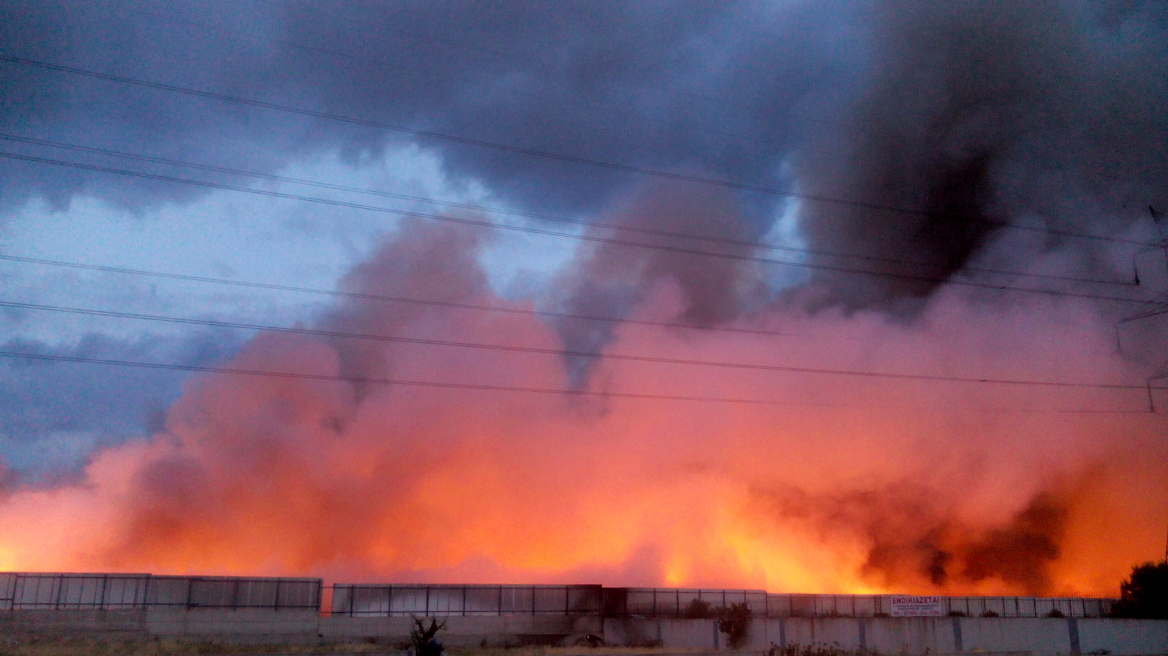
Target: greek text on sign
x=910, y=606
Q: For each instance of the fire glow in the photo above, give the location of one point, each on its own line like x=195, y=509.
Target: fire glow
x=846, y=485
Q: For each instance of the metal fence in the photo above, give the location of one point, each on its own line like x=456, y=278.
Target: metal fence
x=382, y=600
x=30, y=591
x=27, y=591
x=679, y=602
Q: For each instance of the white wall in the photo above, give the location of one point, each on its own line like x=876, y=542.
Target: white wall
x=938, y=635
x=887, y=635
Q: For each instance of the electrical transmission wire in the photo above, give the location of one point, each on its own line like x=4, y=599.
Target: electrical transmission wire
x=389, y=299
x=581, y=237
x=520, y=150
x=595, y=224
x=504, y=388
x=574, y=353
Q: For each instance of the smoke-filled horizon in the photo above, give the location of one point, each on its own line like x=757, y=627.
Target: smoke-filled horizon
x=929, y=396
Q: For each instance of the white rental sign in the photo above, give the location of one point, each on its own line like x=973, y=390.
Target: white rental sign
x=911, y=606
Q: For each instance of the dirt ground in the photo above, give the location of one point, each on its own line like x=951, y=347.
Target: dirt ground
x=92, y=647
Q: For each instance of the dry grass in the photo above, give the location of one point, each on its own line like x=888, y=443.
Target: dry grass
x=47, y=646
x=94, y=647
x=568, y=651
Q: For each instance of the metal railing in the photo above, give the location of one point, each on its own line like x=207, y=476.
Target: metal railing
x=61, y=591
x=383, y=600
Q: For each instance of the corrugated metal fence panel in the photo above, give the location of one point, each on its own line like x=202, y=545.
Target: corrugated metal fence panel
x=234, y=592
x=373, y=600
x=800, y=605
x=482, y=600
x=300, y=593
x=584, y=599
x=7, y=589
x=126, y=591
x=550, y=600
x=169, y=591
x=35, y=591
x=778, y=605
x=678, y=602
x=71, y=591
x=517, y=600
x=19, y=590
x=360, y=600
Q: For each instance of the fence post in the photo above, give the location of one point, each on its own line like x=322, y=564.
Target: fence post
x=15, y=586
x=60, y=586
x=276, y=601
x=145, y=592
x=500, y=600
x=464, y=601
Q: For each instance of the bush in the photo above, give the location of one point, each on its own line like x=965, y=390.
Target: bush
x=1054, y=612
x=1144, y=594
x=735, y=623
x=422, y=639
x=990, y=613
x=956, y=613
x=698, y=610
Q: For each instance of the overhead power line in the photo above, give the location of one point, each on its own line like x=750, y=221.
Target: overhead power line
x=574, y=353
x=593, y=224
x=499, y=388
x=386, y=298
x=520, y=150
x=581, y=237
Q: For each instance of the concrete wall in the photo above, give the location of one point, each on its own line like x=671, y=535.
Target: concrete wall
x=492, y=631
x=1123, y=636
x=909, y=635
x=941, y=635
x=293, y=626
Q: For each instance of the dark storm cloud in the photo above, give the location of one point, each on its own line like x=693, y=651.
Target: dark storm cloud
x=967, y=111
x=46, y=402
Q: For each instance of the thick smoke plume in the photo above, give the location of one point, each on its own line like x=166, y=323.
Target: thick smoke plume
x=845, y=485
x=968, y=115
x=915, y=540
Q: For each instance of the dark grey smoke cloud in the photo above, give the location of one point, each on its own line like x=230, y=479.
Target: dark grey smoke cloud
x=917, y=538
x=1047, y=111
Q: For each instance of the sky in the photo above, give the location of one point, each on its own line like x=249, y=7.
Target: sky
x=806, y=296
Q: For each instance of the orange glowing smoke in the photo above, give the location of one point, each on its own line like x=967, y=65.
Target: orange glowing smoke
x=857, y=485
